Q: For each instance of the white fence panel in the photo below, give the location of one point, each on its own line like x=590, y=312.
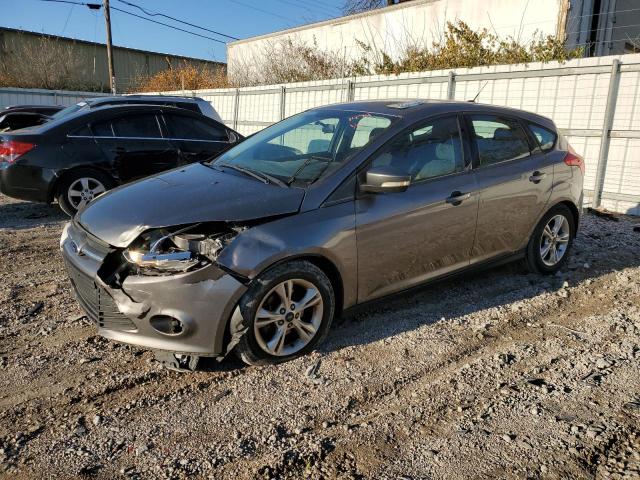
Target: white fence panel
x=25, y=96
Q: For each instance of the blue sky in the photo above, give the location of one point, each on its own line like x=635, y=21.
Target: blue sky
x=238, y=18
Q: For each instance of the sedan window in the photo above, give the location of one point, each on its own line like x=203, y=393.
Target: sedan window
x=138, y=126
x=188, y=128
x=498, y=139
x=102, y=129
x=431, y=150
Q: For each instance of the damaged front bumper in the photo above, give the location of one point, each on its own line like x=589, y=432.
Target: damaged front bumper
x=184, y=313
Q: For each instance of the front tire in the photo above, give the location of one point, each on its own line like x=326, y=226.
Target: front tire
x=287, y=311
x=80, y=187
x=549, y=246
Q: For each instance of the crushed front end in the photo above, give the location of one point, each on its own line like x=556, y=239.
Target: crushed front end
x=164, y=292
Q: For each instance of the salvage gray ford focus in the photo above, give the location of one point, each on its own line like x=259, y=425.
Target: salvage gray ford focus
x=258, y=250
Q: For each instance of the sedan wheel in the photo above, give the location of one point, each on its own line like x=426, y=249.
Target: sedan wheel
x=83, y=190
x=288, y=317
x=555, y=240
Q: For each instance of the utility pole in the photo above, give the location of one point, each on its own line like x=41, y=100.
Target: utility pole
x=112, y=73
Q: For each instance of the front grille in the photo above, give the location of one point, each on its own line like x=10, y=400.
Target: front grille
x=98, y=304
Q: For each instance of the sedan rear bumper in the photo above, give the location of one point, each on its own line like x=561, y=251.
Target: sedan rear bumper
x=198, y=303
x=27, y=182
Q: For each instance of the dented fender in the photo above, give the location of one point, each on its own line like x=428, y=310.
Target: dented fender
x=327, y=232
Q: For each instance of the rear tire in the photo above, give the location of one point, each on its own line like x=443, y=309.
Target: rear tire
x=286, y=312
x=80, y=187
x=551, y=241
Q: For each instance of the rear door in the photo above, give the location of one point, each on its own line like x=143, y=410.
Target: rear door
x=135, y=145
x=197, y=139
x=514, y=179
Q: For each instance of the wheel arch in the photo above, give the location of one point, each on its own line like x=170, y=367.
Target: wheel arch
x=574, y=211
x=62, y=175
x=328, y=267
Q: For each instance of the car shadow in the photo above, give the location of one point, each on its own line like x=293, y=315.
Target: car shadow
x=19, y=215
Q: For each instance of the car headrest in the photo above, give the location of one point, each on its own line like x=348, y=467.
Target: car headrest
x=318, y=145
x=375, y=132
x=503, y=134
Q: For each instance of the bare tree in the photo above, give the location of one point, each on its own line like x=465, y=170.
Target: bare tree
x=357, y=6
x=44, y=62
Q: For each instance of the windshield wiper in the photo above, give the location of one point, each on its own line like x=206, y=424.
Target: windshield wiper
x=263, y=177
x=304, y=165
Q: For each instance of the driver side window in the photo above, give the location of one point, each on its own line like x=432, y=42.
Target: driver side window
x=431, y=150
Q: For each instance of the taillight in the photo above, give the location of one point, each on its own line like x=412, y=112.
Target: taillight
x=574, y=160
x=11, y=150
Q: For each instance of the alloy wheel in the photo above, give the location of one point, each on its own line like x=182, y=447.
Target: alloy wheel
x=555, y=240
x=84, y=190
x=288, y=317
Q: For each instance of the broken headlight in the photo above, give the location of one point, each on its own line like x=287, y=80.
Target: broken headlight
x=162, y=251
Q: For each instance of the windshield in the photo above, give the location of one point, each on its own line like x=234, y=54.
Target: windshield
x=308, y=146
x=68, y=110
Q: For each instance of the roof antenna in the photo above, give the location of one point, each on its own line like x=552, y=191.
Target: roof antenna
x=479, y=92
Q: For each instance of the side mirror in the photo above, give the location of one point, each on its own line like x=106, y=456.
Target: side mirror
x=385, y=180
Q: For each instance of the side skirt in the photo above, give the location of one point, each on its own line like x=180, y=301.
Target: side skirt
x=492, y=263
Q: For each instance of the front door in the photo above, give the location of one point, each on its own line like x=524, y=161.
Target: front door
x=514, y=185
x=409, y=237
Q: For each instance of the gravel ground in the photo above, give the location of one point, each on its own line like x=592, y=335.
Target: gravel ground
x=499, y=374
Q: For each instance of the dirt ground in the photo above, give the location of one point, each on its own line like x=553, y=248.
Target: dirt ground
x=496, y=375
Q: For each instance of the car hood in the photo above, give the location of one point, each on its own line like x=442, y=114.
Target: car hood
x=192, y=194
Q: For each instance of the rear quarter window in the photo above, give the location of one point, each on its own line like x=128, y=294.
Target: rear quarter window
x=546, y=138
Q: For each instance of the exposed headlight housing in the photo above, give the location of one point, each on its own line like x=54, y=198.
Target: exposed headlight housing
x=161, y=251
x=171, y=261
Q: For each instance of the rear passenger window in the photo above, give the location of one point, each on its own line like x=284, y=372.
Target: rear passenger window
x=140, y=126
x=498, y=139
x=82, y=132
x=188, y=128
x=102, y=129
x=545, y=137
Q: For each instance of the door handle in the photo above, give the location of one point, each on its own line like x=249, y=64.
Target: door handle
x=456, y=198
x=537, y=176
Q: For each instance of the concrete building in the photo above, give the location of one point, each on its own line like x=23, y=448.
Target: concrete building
x=84, y=62
x=603, y=27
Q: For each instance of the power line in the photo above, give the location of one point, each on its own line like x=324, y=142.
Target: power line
x=64, y=29
x=167, y=25
x=93, y=6
x=263, y=11
x=155, y=14
x=318, y=9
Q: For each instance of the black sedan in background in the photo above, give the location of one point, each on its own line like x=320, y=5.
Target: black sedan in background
x=77, y=157
x=23, y=116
